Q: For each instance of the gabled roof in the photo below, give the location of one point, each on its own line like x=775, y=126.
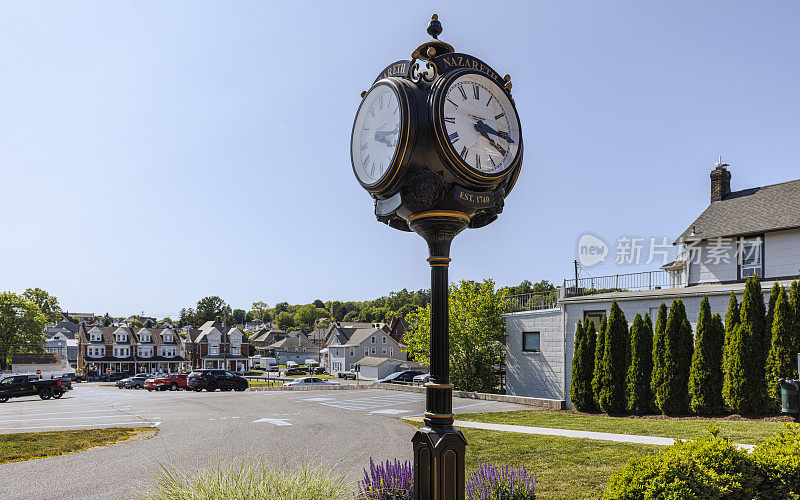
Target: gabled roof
x=747, y=212
x=46, y=358
x=375, y=361
x=361, y=335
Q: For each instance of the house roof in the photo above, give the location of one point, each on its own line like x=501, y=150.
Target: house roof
x=201, y=334
x=746, y=212
x=375, y=361
x=133, y=335
x=46, y=358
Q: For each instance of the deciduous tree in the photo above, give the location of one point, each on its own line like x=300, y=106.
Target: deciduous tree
x=22, y=325
x=47, y=303
x=211, y=308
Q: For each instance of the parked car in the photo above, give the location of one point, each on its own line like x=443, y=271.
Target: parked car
x=422, y=379
x=319, y=370
x=16, y=386
x=350, y=374
x=211, y=380
x=135, y=382
x=114, y=377
x=73, y=377
x=173, y=382
x=294, y=371
x=404, y=377
x=310, y=381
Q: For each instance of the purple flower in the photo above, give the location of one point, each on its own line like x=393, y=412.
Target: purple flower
x=506, y=483
x=389, y=481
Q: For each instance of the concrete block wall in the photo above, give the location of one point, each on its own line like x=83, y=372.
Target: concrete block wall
x=536, y=374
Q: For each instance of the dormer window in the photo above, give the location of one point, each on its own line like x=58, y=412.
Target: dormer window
x=95, y=336
x=167, y=337
x=121, y=337
x=144, y=336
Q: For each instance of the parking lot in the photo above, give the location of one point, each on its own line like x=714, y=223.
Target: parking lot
x=341, y=428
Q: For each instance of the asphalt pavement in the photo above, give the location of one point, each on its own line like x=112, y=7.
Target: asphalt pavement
x=341, y=429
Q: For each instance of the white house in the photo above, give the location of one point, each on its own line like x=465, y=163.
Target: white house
x=740, y=234
x=344, y=351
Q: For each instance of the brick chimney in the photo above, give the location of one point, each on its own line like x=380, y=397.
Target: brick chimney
x=720, y=181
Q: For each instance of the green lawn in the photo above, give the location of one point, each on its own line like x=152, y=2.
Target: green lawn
x=565, y=468
x=29, y=445
x=740, y=431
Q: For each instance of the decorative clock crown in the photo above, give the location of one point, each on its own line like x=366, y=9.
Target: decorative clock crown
x=434, y=47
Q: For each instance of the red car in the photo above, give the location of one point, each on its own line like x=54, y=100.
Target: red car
x=173, y=382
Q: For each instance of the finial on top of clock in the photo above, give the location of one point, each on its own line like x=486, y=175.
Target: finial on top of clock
x=434, y=47
x=434, y=27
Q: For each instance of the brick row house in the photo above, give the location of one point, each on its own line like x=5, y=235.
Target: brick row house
x=129, y=349
x=215, y=345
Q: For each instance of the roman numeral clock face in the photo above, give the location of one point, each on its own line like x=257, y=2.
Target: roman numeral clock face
x=481, y=124
x=376, y=134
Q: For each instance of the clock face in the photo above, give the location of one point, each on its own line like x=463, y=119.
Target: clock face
x=481, y=124
x=376, y=134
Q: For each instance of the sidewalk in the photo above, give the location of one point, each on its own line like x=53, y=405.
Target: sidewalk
x=600, y=436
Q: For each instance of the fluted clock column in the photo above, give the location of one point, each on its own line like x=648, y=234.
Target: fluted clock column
x=439, y=448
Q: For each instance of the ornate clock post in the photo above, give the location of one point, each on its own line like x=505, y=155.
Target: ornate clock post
x=437, y=143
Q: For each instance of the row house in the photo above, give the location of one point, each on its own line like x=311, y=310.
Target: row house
x=215, y=345
x=129, y=349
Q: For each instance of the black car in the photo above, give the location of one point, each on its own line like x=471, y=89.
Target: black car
x=211, y=380
x=294, y=371
x=113, y=377
x=75, y=378
x=404, y=377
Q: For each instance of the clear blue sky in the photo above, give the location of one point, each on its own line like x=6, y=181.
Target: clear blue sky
x=153, y=153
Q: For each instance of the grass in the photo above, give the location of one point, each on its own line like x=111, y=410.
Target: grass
x=565, y=468
x=250, y=480
x=30, y=445
x=740, y=431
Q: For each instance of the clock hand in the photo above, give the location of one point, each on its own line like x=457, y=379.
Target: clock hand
x=496, y=146
x=383, y=136
x=485, y=129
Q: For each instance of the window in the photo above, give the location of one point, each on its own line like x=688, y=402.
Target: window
x=235, y=349
x=391, y=351
x=214, y=349
x=373, y=350
x=594, y=316
x=750, y=253
x=384, y=340
x=530, y=342
x=352, y=352
x=383, y=351
x=366, y=351
x=373, y=339
x=121, y=337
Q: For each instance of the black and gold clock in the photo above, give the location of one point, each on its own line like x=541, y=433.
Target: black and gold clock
x=381, y=142
x=476, y=125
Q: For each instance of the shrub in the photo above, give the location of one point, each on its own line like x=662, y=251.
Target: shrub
x=745, y=381
x=504, y=483
x=658, y=351
x=782, y=360
x=389, y=481
x=249, y=480
x=778, y=462
x=672, y=396
x=731, y=322
x=709, y=468
x=599, y=349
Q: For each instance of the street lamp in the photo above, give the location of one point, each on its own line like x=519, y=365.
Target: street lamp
x=437, y=143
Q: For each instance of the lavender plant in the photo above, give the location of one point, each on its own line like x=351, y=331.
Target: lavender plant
x=389, y=481
x=505, y=483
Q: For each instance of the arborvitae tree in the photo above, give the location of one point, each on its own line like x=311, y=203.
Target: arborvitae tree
x=705, y=377
x=731, y=323
x=794, y=306
x=673, y=394
x=641, y=368
x=773, y=299
x=615, y=367
x=648, y=323
x=781, y=361
x=580, y=390
x=599, y=350
x=745, y=378
x=591, y=336
x=658, y=351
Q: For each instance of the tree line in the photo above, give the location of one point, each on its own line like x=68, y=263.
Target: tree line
x=733, y=365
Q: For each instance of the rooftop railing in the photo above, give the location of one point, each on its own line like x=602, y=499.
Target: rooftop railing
x=648, y=280
x=532, y=301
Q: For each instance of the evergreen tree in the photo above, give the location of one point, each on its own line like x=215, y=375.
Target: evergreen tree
x=591, y=336
x=600, y=346
x=794, y=307
x=705, y=377
x=745, y=374
x=781, y=361
x=615, y=368
x=731, y=323
x=658, y=351
x=773, y=299
x=673, y=394
x=580, y=390
x=641, y=368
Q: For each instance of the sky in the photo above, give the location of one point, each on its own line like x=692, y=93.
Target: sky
x=153, y=153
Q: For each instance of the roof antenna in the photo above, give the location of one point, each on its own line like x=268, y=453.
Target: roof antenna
x=719, y=163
